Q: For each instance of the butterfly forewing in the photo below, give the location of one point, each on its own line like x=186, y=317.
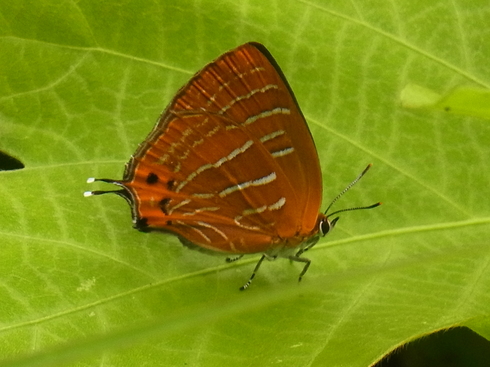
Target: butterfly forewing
x=231, y=164
x=247, y=86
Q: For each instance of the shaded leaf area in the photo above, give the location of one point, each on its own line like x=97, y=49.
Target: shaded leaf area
x=82, y=86
x=447, y=348
x=9, y=163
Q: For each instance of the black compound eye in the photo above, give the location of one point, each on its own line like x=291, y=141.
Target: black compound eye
x=324, y=227
x=327, y=225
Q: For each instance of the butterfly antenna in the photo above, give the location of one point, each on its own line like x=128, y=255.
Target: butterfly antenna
x=356, y=208
x=347, y=189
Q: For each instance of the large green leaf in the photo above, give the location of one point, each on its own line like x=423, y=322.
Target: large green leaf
x=81, y=86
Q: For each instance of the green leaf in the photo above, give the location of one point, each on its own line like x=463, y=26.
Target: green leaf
x=461, y=100
x=81, y=85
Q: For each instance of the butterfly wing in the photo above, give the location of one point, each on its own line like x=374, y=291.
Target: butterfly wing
x=248, y=86
x=231, y=165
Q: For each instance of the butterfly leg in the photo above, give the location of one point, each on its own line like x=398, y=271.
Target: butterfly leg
x=233, y=259
x=301, y=260
x=246, y=285
x=300, y=252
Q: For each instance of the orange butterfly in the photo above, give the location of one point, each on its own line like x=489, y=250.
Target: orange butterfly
x=231, y=166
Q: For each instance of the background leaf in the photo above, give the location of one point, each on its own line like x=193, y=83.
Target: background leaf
x=81, y=86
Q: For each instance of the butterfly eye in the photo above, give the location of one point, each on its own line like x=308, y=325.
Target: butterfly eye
x=327, y=225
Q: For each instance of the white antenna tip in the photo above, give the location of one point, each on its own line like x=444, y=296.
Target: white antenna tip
x=90, y=179
x=88, y=193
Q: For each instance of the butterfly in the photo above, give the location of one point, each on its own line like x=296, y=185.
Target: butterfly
x=231, y=166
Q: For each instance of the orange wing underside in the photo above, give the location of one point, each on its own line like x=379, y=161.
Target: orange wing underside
x=231, y=165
